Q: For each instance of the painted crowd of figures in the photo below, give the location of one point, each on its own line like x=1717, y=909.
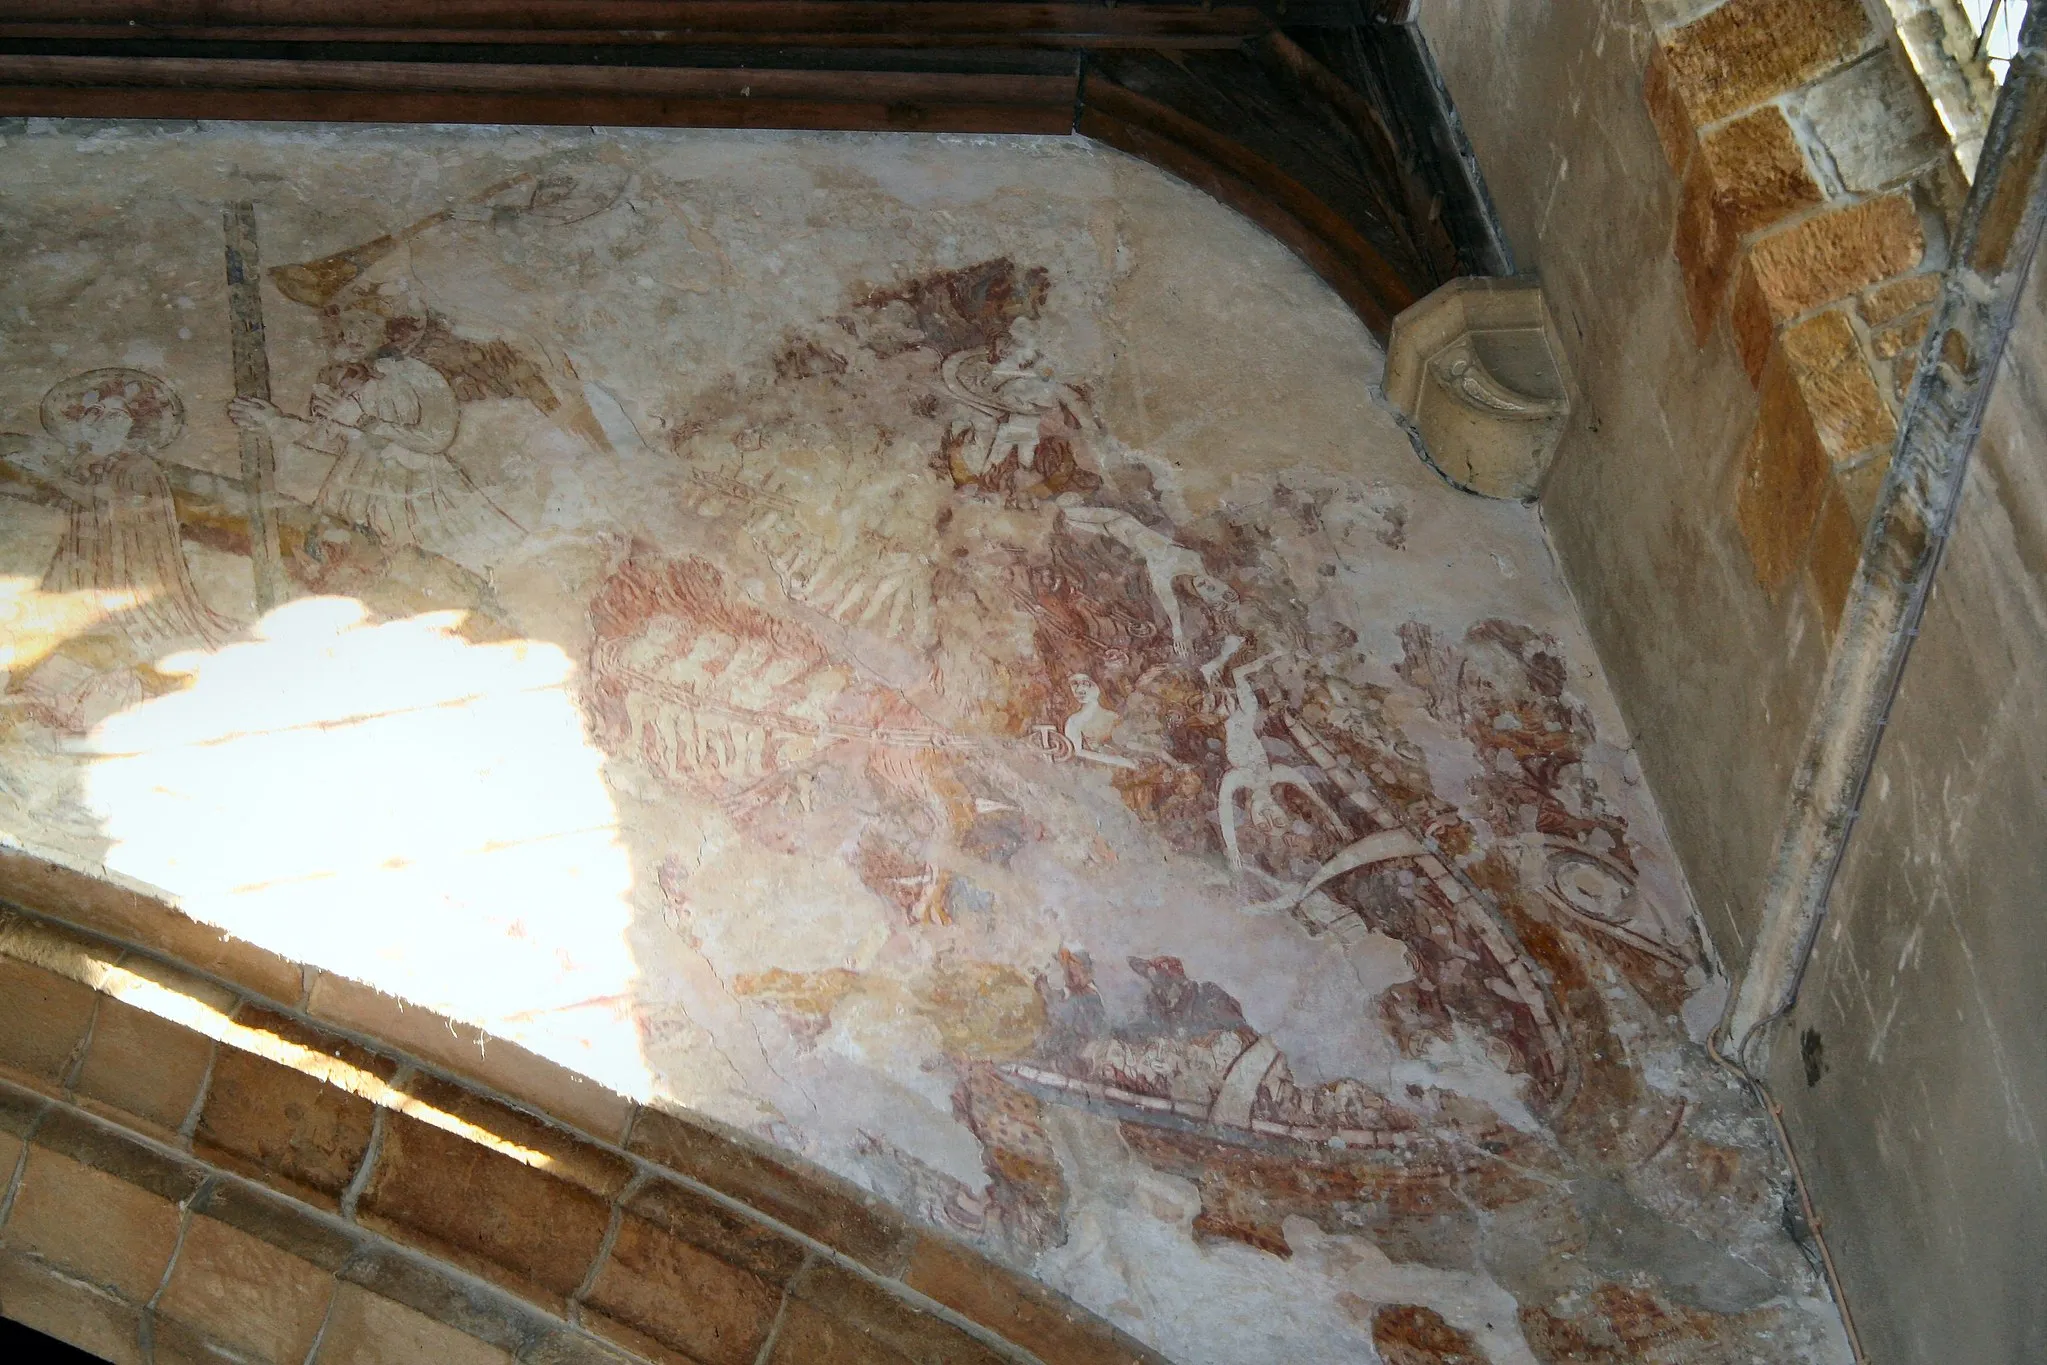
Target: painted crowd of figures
x=999, y=601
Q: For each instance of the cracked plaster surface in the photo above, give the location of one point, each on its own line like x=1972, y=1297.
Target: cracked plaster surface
x=925, y=649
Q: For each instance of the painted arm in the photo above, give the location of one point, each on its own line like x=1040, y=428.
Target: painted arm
x=26, y=480
x=261, y=415
x=1243, y=671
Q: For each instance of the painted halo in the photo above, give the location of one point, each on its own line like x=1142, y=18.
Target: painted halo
x=153, y=406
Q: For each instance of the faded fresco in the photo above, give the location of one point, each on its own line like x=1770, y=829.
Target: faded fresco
x=924, y=650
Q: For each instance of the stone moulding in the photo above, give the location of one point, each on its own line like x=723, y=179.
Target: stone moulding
x=205, y=1149
x=1478, y=371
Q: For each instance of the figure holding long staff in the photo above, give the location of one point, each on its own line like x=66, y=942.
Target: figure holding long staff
x=387, y=408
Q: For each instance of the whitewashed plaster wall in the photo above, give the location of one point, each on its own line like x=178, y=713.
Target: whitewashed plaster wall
x=925, y=649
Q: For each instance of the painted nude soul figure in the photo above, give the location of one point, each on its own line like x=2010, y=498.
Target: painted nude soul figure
x=1166, y=562
x=1252, y=773
x=1093, y=725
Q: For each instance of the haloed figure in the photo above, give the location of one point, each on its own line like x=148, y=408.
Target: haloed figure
x=121, y=542
x=123, y=535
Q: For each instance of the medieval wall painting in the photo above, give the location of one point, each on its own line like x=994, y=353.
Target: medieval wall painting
x=925, y=650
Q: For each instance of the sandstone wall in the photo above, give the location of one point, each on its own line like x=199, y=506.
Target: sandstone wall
x=1912, y=1067
x=1735, y=208
x=1749, y=297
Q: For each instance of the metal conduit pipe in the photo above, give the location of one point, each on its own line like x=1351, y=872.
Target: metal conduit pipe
x=1993, y=249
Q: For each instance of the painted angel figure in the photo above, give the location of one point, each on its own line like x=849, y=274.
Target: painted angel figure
x=387, y=407
x=387, y=418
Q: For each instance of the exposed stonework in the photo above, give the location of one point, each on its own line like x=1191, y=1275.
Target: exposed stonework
x=1757, y=170
x=1911, y=1069
x=1819, y=260
x=1872, y=121
x=1910, y=1074
x=119, y=1235
x=1746, y=51
x=1784, y=478
x=1811, y=166
x=1841, y=396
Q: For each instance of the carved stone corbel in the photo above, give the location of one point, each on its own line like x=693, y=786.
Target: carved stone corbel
x=1477, y=370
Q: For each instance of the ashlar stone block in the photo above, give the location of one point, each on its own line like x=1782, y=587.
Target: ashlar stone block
x=35, y=1295
x=811, y=1202
x=834, y=1310
x=1836, y=552
x=1749, y=174
x=1705, y=245
x=103, y=1209
x=1746, y=51
x=485, y=1210
x=280, y=1123
x=1818, y=260
x=364, y=1329
x=144, y=1066
x=1848, y=411
x=1673, y=122
x=233, y=1290
x=1759, y=174
x=658, y=1286
x=1784, y=479
x=1891, y=301
x=1016, y=1307
x=47, y=1018
x=1875, y=121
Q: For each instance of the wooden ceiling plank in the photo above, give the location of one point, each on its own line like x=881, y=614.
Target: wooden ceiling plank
x=834, y=22
x=482, y=107
x=1219, y=97
x=504, y=78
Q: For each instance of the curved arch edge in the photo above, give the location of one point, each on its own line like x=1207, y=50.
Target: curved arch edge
x=294, y=1160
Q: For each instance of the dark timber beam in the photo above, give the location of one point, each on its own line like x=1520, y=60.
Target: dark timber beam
x=1281, y=109
x=850, y=23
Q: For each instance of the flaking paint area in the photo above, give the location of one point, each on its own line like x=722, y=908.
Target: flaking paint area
x=1020, y=727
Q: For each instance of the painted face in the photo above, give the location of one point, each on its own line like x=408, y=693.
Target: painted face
x=1213, y=590
x=1085, y=690
x=105, y=425
x=361, y=334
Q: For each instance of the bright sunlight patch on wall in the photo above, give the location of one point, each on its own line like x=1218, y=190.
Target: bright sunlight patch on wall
x=395, y=804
